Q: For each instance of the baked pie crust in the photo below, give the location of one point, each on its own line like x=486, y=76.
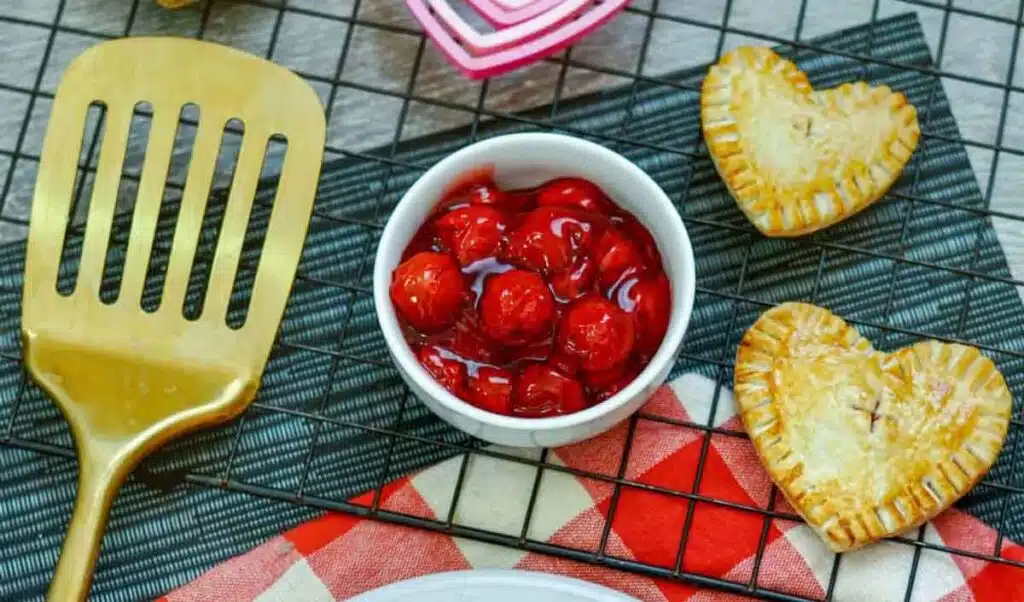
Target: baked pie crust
x=798, y=160
x=866, y=444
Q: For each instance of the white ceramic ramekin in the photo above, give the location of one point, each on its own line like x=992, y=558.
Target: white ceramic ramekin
x=527, y=160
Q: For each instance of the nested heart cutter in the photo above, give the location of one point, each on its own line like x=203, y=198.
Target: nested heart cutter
x=524, y=31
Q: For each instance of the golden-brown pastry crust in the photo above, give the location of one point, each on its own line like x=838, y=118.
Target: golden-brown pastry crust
x=797, y=160
x=866, y=444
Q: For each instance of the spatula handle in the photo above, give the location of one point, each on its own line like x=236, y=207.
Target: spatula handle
x=98, y=482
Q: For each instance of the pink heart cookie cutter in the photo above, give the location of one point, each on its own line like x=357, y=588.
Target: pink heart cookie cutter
x=503, y=13
x=508, y=37
x=482, y=55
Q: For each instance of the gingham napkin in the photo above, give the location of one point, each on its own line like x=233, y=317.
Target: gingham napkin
x=339, y=556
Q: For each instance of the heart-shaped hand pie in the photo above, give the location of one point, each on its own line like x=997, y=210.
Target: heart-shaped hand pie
x=866, y=444
x=798, y=160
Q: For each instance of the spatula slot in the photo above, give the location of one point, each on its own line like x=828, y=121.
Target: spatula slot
x=127, y=195
x=255, y=232
x=170, y=205
x=71, y=248
x=213, y=218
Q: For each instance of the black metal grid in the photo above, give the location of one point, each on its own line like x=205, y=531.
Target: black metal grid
x=480, y=110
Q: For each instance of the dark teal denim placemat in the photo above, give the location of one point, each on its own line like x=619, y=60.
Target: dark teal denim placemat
x=332, y=361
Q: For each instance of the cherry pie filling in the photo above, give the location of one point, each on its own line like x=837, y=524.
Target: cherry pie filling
x=532, y=303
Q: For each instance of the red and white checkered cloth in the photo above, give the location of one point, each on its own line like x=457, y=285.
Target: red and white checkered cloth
x=339, y=556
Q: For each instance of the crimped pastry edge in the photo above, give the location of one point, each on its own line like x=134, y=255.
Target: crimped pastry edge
x=861, y=188
x=917, y=504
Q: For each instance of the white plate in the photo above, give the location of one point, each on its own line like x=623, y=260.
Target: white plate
x=493, y=585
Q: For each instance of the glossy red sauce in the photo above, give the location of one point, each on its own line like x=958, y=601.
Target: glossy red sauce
x=532, y=303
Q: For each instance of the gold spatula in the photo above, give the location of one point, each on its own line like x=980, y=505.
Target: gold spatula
x=129, y=380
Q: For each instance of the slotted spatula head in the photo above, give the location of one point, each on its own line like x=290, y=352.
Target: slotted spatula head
x=126, y=379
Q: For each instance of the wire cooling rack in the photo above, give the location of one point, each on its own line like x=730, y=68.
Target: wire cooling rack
x=332, y=418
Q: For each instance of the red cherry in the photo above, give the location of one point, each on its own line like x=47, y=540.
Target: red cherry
x=616, y=257
x=470, y=342
x=566, y=364
x=537, y=351
x=516, y=307
x=491, y=389
x=424, y=240
x=596, y=333
x=548, y=239
x=486, y=194
x=650, y=299
x=613, y=386
x=575, y=281
x=428, y=290
x=520, y=201
x=472, y=233
x=604, y=378
x=641, y=238
x=445, y=369
x=574, y=192
x=541, y=391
